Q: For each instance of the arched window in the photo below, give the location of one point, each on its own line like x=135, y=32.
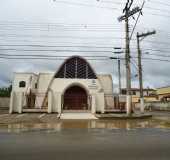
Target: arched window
x=22, y=84
x=76, y=67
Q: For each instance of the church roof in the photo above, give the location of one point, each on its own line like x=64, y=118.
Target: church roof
x=76, y=67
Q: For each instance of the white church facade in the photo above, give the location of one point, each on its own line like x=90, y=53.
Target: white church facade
x=75, y=86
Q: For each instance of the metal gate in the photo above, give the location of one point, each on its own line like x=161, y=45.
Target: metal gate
x=75, y=102
x=38, y=100
x=75, y=98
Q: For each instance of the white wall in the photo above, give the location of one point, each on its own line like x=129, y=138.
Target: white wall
x=44, y=81
x=29, y=78
x=16, y=102
x=94, y=88
x=106, y=83
x=4, y=102
x=60, y=85
x=57, y=86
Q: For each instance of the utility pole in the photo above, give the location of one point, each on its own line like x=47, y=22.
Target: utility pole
x=138, y=36
x=128, y=69
x=128, y=13
x=118, y=64
x=119, y=74
x=119, y=77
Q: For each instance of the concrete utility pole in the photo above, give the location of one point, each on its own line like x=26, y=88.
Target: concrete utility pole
x=143, y=35
x=119, y=73
x=118, y=64
x=128, y=69
x=128, y=13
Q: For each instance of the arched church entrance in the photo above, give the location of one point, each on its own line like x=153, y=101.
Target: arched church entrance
x=75, y=98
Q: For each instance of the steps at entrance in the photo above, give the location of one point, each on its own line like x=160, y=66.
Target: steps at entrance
x=77, y=116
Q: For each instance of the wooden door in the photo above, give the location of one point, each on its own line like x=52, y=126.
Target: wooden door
x=75, y=98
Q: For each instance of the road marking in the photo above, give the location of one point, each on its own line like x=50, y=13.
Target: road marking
x=42, y=115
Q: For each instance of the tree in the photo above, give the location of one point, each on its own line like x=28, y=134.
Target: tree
x=5, y=91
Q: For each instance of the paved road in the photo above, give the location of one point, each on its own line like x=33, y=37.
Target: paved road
x=86, y=144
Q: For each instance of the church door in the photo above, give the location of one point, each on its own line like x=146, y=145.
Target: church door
x=75, y=98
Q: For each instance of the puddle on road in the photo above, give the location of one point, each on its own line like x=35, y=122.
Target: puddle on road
x=85, y=124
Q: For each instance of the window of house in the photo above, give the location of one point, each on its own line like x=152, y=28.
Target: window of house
x=134, y=93
x=124, y=91
x=36, y=85
x=22, y=84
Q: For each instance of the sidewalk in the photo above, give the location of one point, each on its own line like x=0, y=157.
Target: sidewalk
x=124, y=116
x=28, y=118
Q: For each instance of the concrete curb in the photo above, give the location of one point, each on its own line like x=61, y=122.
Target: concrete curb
x=123, y=116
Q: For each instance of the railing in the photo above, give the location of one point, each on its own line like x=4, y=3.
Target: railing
x=112, y=103
x=155, y=106
x=35, y=101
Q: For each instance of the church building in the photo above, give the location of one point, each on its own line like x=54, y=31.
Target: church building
x=74, y=87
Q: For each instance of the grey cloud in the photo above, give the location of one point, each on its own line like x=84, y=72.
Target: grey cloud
x=38, y=14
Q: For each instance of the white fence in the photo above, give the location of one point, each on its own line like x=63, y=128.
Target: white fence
x=4, y=102
x=163, y=106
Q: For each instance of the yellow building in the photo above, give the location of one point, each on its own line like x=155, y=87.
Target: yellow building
x=163, y=93
x=149, y=94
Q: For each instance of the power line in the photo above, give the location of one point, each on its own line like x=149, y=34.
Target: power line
x=158, y=50
x=66, y=30
x=88, y=43
x=52, y=50
x=157, y=9
x=43, y=56
x=97, y=43
x=145, y=28
x=77, y=37
x=86, y=5
x=111, y=2
x=140, y=12
x=157, y=42
x=158, y=2
x=161, y=15
x=51, y=57
x=52, y=23
x=159, y=55
x=50, y=36
x=52, y=46
x=154, y=50
x=48, y=27
x=154, y=59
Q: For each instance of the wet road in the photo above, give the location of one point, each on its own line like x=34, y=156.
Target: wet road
x=92, y=144
x=87, y=140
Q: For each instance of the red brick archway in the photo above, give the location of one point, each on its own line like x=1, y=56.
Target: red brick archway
x=75, y=98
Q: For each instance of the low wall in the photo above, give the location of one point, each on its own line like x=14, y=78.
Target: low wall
x=164, y=106
x=4, y=102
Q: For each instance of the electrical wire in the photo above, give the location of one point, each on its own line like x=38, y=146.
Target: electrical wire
x=52, y=46
x=85, y=4
x=53, y=50
x=6, y=56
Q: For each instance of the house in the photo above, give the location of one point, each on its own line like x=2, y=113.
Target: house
x=163, y=93
x=148, y=93
x=74, y=87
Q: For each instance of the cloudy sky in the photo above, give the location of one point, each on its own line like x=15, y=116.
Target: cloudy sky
x=83, y=27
